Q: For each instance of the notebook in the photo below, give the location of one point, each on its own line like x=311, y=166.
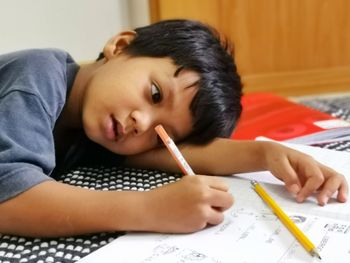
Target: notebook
x=277, y=118
x=250, y=231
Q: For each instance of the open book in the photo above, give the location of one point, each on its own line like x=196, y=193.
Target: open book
x=326, y=136
x=250, y=231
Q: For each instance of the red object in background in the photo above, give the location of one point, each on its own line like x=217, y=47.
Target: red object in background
x=277, y=118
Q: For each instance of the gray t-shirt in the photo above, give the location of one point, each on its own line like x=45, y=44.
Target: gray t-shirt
x=33, y=90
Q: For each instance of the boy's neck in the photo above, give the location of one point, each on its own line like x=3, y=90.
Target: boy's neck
x=71, y=116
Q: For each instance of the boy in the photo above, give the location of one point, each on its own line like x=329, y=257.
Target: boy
x=175, y=73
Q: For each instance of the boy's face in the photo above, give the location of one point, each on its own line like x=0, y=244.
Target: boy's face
x=127, y=97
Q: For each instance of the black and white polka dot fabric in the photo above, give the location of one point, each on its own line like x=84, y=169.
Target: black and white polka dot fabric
x=18, y=249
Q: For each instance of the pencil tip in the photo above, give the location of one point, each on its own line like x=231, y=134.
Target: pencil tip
x=253, y=182
x=315, y=253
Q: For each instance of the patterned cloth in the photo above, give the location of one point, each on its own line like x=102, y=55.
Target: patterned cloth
x=70, y=249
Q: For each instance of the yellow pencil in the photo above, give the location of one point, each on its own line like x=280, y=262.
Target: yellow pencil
x=298, y=234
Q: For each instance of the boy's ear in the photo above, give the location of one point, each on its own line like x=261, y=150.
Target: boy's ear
x=117, y=43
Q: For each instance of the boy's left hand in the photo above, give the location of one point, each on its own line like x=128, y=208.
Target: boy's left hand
x=304, y=176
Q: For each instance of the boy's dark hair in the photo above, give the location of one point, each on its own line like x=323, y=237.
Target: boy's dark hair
x=192, y=45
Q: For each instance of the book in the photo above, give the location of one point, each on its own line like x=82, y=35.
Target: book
x=277, y=118
x=322, y=137
x=250, y=231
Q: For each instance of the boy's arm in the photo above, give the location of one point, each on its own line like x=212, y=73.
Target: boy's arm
x=301, y=174
x=56, y=209
x=220, y=157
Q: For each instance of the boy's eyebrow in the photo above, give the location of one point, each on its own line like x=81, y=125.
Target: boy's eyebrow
x=174, y=133
x=177, y=72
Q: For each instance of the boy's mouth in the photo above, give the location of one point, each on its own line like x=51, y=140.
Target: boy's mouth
x=111, y=128
x=115, y=127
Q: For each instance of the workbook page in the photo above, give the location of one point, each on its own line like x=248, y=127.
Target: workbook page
x=249, y=233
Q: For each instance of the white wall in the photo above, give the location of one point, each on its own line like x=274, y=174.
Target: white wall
x=139, y=14
x=80, y=27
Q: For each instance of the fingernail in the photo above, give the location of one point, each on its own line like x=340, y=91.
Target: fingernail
x=345, y=196
x=325, y=200
x=322, y=203
x=300, y=199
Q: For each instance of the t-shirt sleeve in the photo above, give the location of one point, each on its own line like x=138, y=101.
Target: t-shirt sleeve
x=27, y=154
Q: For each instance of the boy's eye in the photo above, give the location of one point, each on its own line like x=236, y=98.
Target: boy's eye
x=155, y=94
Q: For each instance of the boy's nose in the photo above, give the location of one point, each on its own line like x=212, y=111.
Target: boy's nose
x=142, y=121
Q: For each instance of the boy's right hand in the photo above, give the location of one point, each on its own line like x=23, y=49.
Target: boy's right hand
x=188, y=205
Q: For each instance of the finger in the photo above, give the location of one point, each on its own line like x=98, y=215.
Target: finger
x=343, y=188
x=329, y=188
x=288, y=175
x=313, y=182
x=220, y=186
x=343, y=191
x=216, y=183
x=215, y=217
x=221, y=200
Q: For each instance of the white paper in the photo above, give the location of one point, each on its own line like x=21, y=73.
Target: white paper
x=249, y=233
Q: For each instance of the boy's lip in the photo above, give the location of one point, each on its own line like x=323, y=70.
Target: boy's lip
x=113, y=128
x=118, y=127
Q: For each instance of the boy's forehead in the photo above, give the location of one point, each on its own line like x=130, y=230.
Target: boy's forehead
x=177, y=71
x=168, y=70
x=184, y=77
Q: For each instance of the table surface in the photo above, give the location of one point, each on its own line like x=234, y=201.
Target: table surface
x=70, y=249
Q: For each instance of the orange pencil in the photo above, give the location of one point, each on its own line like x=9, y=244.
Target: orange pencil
x=174, y=151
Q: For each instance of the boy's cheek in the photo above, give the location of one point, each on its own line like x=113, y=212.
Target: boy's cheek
x=133, y=146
